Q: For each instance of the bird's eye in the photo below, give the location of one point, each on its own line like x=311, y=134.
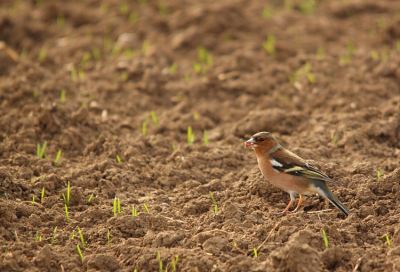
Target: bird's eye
x=260, y=139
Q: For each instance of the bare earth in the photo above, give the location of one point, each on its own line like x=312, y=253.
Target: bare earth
x=327, y=87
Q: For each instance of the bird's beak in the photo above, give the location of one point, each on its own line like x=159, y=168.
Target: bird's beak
x=250, y=143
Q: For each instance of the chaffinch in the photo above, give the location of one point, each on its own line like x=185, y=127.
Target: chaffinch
x=291, y=173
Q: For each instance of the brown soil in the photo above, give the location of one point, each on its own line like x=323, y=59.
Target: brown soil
x=330, y=93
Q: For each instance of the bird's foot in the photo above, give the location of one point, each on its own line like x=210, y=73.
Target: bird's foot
x=284, y=212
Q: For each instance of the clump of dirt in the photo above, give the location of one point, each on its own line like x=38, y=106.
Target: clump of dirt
x=115, y=87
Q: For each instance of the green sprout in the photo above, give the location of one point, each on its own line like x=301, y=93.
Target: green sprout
x=108, y=238
x=267, y=13
x=175, y=262
x=173, y=68
x=307, y=70
x=42, y=54
x=66, y=213
x=173, y=147
x=379, y=173
x=147, y=209
x=57, y=158
x=42, y=195
x=134, y=211
x=349, y=53
x=269, y=45
x=66, y=199
x=375, y=55
x=196, y=116
x=115, y=206
x=124, y=76
x=133, y=17
x=33, y=200
x=5, y=194
x=325, y=239
x=79, y=252
x=41, y=149
x=73, y=74
x=190, y=135
x=90, y=199
x=204, y=56
x=146, y=45
x=81, y=74
x=255, y=252
x=119, y=206
x=205, y=136
x=73, y=235
x=154, y=117
x=118, y=159
x=160, y=264
x=62, y=97
x=85, y=244
x=54, y=236
x=85, y=59
x=37, y=237
x=214, y=202
x=144, y=125
x=96, y=53
x=387, y=239
x=35, y=96
x=335, y=139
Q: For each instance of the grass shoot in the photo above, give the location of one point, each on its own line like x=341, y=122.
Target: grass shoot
x=335, y=139
x=5, y=194
x=85, y=59
x=160, y=264
x=325, y=239
x=255, y=252
x=147, y=209
x=85, y=244
x=62, y=97
x=175, y=262
x=54, y=236
x=96, y=53
x=267, y=13
x=214, y=202
x=133, y=17
x=73, y=235
x=37, y=237
x=115, y=206
x=205, y=137
x=42, y=54
x=57, y=158
x=173, y=68
x=190, y=135
x=41, y=149
x=387, y=239
x=67, y=198
x=90, y=199
x=42, y=195
x=79, y=252
x=134, y=211
x=108, y=238
x=154, y=117
x=118, y=159
x=66, y=213
x=269, y=45
x=33, y=200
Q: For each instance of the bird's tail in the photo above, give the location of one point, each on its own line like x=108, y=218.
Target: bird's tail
x=339, y=205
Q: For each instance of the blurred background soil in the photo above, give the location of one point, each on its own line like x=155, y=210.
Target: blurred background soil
x=89, y=77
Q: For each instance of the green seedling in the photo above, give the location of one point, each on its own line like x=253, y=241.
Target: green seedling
x=33, y=200
x=204, y=56
x=190, y=135
x=73, y=74
x=128, y=53
x=307, y=70
x=269, y=45
x=173, y=68
x=79, y=252
x=205, y=136
x=81, y=74
x=42, y=195
x=133, y=17
x=43, y=177
x=160, y=264
x=37, y=237
x=384, y=56
x=60, y=21
x=196, y=116
x=57, y=158
x=85, y=244
x=73, y=235
x=96, y=53
x=267, y=13
x=5, y=194
x=145, y=47
x=134, y=211
x=124, y=76
x=308, y=6
x=197, y=67
x=387, y=239
x=162, y=8
x=214, y=202
x=154, y=117
x=147, y=209
x=41, y=149
x=66, y=213
x=375, y=55
x=42, y=54
x=85, y=59
x=108, y=238
x=35, y=96
x=173, y=147
x=335, y=139
x=379, y=173
x=325, y=238
x=349, y=53
x=115, y=206
x=62, y=97
x=119, y=206
x=67, y=198
x=90, y=199
x=118, y=159
x=116, y=50
x=144, y=125
x=255, y=252
x=54, y=236
x=175, y=262
x=123, y=8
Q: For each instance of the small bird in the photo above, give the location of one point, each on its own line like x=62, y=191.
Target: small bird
x=291, y=173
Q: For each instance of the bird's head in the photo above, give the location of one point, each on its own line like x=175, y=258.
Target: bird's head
x=263, y=141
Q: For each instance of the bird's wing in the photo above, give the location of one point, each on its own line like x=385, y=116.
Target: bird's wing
x=297, y=167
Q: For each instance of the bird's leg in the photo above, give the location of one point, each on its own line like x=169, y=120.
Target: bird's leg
x=286, y=211
x=298, y=205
